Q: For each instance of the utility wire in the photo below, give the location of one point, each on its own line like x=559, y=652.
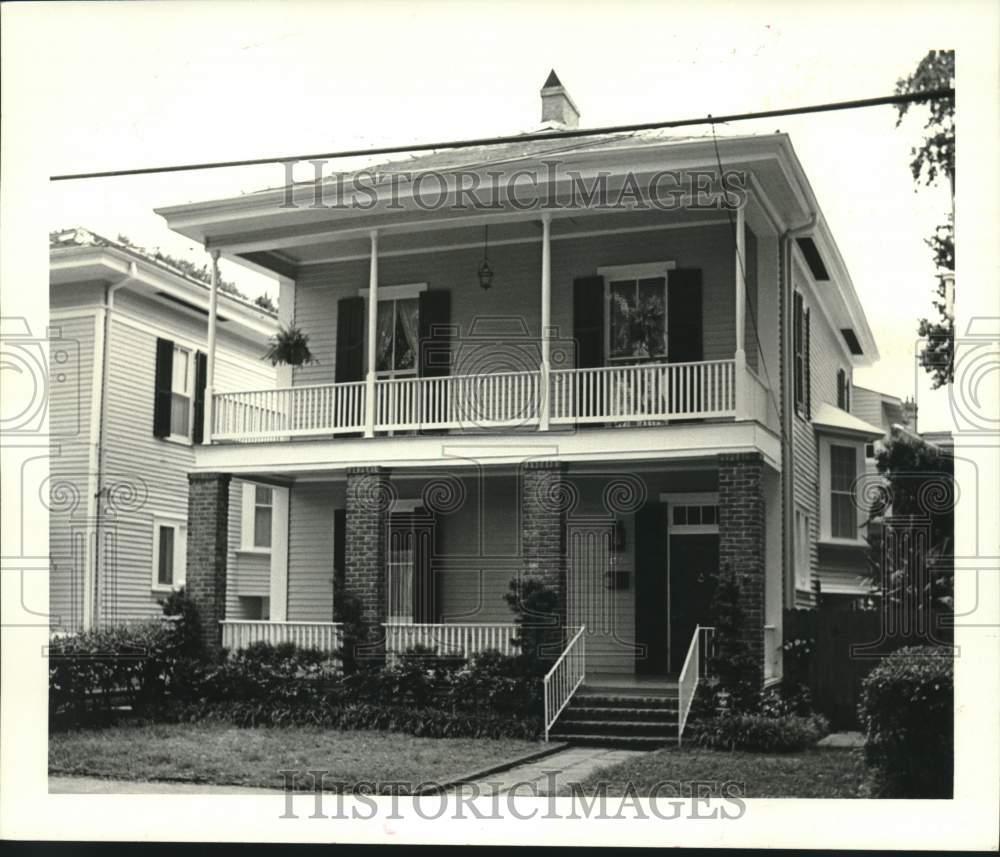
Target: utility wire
x=908, y=98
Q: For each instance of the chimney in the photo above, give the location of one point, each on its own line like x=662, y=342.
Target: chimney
x=557, y=106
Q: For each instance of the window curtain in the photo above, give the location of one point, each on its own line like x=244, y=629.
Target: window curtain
x=407, y=333
x=383, y=336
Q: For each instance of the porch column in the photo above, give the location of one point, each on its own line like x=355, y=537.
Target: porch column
x=207, y=552
x=369, y=499
x=742, y=545
x=545, y=500
x=543, y=380
x=740, y=373
x=372, y=331
x=213, y=307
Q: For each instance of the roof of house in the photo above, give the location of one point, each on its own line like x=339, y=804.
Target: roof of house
x=826, y=416
x=77, y=255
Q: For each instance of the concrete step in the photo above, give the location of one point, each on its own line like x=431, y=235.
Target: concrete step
x=617, y=728
x=662, y=714
x=589, y=699
x=641, y=692
x=623, y=742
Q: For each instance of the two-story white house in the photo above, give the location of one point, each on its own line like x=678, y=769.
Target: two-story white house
x=126, y=426
x=620, y=399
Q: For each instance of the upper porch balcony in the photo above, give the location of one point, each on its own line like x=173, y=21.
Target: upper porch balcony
x=613, y=395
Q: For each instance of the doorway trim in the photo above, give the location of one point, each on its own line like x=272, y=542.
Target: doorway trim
x=672, y=499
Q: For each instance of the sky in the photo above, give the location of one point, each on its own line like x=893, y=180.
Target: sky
x=150, y=84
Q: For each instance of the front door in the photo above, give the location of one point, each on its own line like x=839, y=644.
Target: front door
x=694, y=559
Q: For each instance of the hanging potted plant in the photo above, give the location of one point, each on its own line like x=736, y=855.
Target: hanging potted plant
x=290, y=346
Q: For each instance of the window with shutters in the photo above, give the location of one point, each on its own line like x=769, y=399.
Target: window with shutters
x=169, y=553
x=397, y=330
x=181, y=390
x=636, y=317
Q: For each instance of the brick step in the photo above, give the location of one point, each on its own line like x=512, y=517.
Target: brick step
x=622, y=742
x=587, y=699
x=597, y=712
x=622, y=728
x=629, y=692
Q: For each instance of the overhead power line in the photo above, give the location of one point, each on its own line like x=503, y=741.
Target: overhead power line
x=524, y=138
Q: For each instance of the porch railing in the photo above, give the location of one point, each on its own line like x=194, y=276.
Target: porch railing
x=692, y=672
x=464, y=640
x=652, y=391
x=240, y=633
x=613, y=394
x=566, y=675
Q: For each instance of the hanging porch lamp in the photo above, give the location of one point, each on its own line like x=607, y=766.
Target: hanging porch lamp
x=485, y=270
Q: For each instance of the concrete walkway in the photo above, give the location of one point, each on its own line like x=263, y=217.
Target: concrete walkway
x=553, y=773
x=842, y=740
x=59, y=785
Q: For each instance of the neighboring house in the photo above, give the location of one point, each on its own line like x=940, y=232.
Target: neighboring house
x=126, y=428
x=845, y=576
x=640, y=398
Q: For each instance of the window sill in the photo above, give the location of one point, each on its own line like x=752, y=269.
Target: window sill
x=166, y=588
x=178, y=440
x=254, y=551
x=842, y=543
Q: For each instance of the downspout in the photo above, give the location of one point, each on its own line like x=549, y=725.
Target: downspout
x=787, y=407
x=92, y=602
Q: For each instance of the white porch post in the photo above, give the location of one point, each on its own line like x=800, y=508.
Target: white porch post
x=213, y=307
x=543, y=381
x=740, y=369
x=372, y=330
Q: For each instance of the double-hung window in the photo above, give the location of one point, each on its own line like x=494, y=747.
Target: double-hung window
x=843, y=510
x=169, y=553
x=636, y=317
x=181, y=387
x=257, y=517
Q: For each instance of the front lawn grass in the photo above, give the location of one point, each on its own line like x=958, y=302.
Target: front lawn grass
x=808, y=774
x=218, y=753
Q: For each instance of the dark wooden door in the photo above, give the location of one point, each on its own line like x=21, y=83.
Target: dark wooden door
x=651, y=589
x=694, y=559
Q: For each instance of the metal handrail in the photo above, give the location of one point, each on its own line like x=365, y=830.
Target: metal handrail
x=693, y=659
x=547, y=681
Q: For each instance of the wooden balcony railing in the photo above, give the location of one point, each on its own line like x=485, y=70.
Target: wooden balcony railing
x=609, y=395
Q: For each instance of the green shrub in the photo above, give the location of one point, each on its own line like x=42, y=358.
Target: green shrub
x=539, y=639
x=757, y=732
x=93, y=673
x=787, y=697
x=179, y=608
x=907, y=712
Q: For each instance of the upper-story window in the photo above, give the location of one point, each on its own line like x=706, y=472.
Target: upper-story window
x=843, y=391
x=181, y=386
x=800, y=349
x=179, y=392
x=636, y=326
x=397, y=336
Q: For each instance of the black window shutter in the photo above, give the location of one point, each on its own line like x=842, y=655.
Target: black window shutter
x=684, y=316
x=797, y=365
x=434, y=321
x=200, y=380
x=808, y=371
x=588, y=321
x=350, y=340
x=162, y=387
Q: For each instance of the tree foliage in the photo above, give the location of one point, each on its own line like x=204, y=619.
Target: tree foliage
x=934, y=157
